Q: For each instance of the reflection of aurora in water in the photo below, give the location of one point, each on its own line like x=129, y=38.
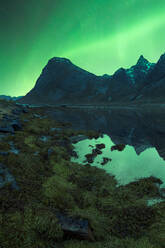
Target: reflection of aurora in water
x=126, y=165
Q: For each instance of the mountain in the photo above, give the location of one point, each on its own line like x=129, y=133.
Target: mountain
x=8, y=98
x=153, y=88
x=62, y=82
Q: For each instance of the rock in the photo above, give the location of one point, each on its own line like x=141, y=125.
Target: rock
x=45, y=138
x=74, y=154
x=119, y=147
x=105, y=160
x=75, y=139
x=9, y=123
x=50, y=151
x=25, y=111
x=74, y=227
x=56, y=129
x=25, y=120
x=13, y=150
x=16, y=124
x=16, y=111
x=10, y=98
x=89, y=158
x=23, y=105
x=7, y=117
x=96, y=151
x=7, y=129
x=38, y=116
x=100, y=146
x=162, y=192
x=35, y=153
x=4, y=153
x=6, y=177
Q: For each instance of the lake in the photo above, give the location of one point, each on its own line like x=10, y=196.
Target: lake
x=141, y=129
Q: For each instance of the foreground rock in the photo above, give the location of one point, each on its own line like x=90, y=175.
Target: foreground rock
x=75, y=227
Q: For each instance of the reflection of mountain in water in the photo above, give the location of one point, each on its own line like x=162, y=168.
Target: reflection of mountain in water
x=138, y=128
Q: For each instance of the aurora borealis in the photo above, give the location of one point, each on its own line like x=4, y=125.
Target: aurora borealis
x=97, y=35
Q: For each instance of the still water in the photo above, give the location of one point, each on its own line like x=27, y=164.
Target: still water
x=141, y=130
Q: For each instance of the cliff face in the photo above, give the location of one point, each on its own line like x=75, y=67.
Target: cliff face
x=62, y=82
x=153, y=88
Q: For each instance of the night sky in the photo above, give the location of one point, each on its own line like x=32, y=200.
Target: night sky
x=99, y=36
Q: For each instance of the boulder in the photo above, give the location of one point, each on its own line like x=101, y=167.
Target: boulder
x=7, y=129
x=45, y=138
x=100, y=146
x=25, y=120
x=105, y=160
x=74, y=154
x=39, y=116
x=56, y=129
x=25, y=110
x=119, y=147
x=75, y=227
x=6, y=177
x=50, y=151
x=4, y=153
x=96, y=151
x=16, y=111
x=89, y=158
x=162, y=192
x=16, y=125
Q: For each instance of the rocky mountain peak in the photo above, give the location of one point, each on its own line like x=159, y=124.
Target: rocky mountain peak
x=161, y=60
x=143, y=64
x=121, y=70
x=58, y=65
x=158, y=70
x=59, y=60
x=142, y=60
x=138, y=72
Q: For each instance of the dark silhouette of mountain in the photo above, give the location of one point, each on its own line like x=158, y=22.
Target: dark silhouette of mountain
x=8, y=98
x=62, y=82
x=153, y=88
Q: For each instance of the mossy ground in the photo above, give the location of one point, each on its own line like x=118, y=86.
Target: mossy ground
x=118, y=216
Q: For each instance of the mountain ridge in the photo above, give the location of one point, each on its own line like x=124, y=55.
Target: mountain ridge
x=62, y=82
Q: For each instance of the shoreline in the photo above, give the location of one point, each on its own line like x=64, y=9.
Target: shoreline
x=116, y=105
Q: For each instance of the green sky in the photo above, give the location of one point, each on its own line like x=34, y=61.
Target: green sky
x=97, y=35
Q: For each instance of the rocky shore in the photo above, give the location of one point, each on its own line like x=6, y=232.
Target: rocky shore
x=48, y=201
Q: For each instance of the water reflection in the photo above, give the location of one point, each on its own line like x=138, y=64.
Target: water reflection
x=126, y=165
x=141, y=130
